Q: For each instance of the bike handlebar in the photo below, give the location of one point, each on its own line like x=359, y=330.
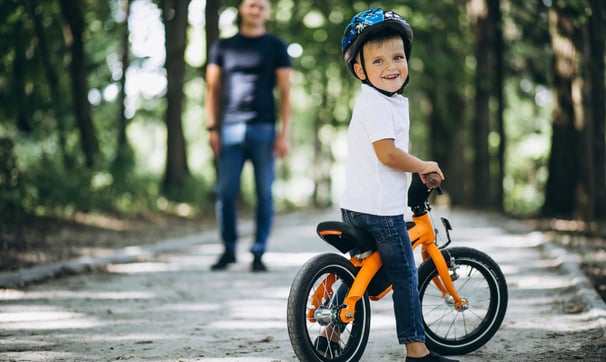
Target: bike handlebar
x=418, y=192
x=433, y=180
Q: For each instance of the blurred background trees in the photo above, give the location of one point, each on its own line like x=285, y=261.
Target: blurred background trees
x=101, y=103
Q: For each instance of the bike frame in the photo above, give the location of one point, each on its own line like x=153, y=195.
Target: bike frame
x=421, y=234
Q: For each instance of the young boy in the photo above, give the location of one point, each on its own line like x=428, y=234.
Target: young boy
x=376, y=48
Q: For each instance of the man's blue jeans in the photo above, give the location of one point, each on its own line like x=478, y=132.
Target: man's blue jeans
x=396, y=252
x=240, y=143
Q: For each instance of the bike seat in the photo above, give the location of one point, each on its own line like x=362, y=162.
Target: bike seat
x=346, y=237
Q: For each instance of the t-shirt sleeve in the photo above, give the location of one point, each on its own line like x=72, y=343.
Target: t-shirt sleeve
x=376, y=119
x=216, y=55
x=282, y=58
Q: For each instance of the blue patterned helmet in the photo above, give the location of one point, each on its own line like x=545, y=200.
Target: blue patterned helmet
x=368, y=22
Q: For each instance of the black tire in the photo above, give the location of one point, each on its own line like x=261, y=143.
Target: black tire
x=481, y=282
x=303, y=331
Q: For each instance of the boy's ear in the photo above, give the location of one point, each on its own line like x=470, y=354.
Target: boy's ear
x=359, y=71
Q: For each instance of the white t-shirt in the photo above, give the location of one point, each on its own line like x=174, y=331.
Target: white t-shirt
x=370, y=186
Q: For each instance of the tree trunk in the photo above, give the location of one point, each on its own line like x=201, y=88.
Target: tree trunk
x=174, y=14
x=447, y=138
x=483, y=34
x=19, y=72
x=561, y=190
x=122, y=122
x=124, y=160
x=495, y=11
x=88, y=137
x=53, y=84
x=597, y=95
x=322, y=155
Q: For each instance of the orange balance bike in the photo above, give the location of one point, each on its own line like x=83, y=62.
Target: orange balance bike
x=463, y=291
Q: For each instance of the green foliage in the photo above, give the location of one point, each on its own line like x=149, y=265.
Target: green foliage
x=528, y=129
x=193, y=191
x=59, y=190
x=41, y=158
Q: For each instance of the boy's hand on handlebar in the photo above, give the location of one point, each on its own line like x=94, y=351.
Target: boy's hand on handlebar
x=431, y=175
x=433, y=180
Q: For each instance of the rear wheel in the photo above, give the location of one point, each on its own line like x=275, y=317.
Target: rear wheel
x=315, y=300
x=478, y=280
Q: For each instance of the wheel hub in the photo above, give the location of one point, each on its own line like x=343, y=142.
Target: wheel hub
x=325, y=316
x=450, y=301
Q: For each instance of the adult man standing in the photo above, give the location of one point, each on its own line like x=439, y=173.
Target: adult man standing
x=241, y=75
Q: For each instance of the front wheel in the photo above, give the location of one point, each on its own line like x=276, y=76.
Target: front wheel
x=479, y=281
x=315, y=300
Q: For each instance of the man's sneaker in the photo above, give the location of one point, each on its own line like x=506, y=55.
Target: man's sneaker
x=257, y=265
x=227, y=258
x=327, y=349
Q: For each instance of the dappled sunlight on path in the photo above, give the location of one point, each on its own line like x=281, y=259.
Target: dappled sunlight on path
x=171, y=307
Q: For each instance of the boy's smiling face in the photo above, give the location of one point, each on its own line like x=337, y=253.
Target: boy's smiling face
x=385, y=63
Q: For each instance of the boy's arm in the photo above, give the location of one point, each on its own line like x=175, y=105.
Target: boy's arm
x=398, y=159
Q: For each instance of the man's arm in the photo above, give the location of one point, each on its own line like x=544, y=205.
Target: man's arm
x=211, y=105
x=283, y=82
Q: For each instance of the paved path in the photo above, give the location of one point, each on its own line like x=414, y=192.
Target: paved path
x=161, y=303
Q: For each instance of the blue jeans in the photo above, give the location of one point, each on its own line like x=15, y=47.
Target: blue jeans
x=396, y=252
x=240, y=143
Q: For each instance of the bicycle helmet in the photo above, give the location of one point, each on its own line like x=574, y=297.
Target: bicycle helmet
x=368, y=23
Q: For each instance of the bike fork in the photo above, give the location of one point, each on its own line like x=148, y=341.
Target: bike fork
x=444, y=281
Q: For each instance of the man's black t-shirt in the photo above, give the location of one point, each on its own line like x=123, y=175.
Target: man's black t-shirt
x=248, y=68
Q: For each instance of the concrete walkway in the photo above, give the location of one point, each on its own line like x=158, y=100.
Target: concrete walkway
x=161, y=302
